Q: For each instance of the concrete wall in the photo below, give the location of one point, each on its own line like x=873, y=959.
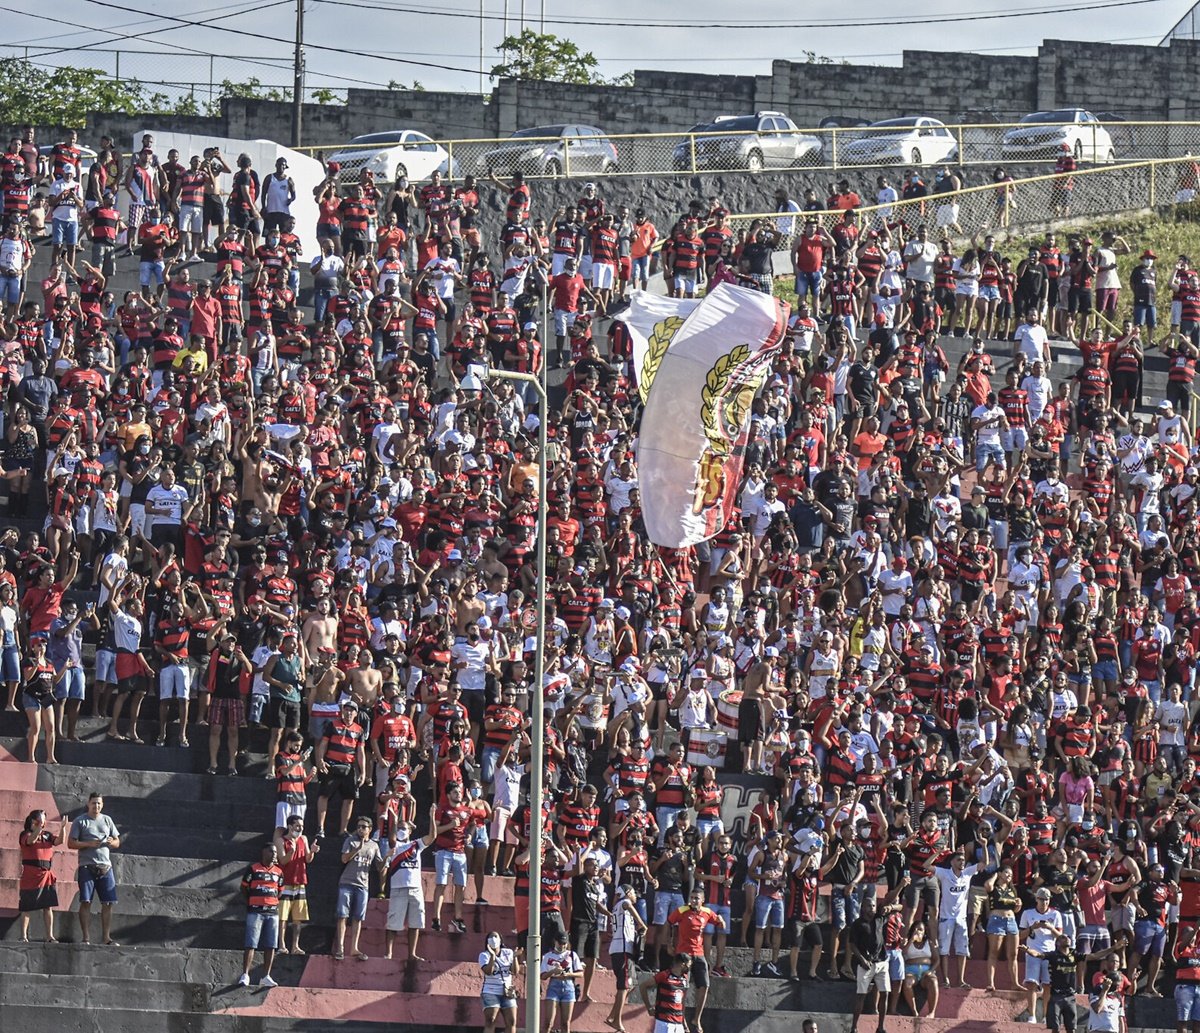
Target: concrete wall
x=1138, y=82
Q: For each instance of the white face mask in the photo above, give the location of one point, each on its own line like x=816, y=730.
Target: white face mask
x=401, y=835
x=493, y=941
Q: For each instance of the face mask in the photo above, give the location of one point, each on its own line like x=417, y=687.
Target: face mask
x=864, y=833
x=402, y=835
x=493, y=941
x=476, y=793
x=143, y=450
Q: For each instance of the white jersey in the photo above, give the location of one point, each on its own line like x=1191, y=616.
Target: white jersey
x=955, y=891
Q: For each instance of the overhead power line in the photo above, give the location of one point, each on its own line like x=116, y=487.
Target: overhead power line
x=757, y=26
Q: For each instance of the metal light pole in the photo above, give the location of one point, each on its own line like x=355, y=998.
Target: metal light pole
x=533, y=944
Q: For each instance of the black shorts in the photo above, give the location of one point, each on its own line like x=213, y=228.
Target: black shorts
x=699, y=977
x=274, y=220
x=552, y=926
x=214, y=211
x=476, y=703
x=38, y=900
x=945, y=298
x=863, y=410
x=282, y=713
x=1081, y=300
x=354, y=244
x=585, y=939
x=623, y=969
x=805, y=934
x=1179, y=395
x=241, y=218
x=339, y=779
x=970, y=591
x=750, y=727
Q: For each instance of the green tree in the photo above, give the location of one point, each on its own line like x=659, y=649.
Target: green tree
x=62, y=96
x=542, y=56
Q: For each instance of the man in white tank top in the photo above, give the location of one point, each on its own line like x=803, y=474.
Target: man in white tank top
x=278, y=193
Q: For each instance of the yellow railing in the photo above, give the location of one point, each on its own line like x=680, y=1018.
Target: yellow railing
x=830, y=149
x=1032, y=201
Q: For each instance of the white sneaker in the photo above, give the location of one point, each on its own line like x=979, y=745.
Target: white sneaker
x=244, y=979
x=1032, y=1020
x=268, y=982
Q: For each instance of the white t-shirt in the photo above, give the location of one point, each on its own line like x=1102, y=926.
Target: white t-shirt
x=441, y=272
x=168, y=502
x=507, y=786
x=1106, y=279
x=896, y=588
x=989, y=435
x=1172, y=718
x=1031, y=341
x=473, y=677
x=65, y=212
x=1042, y=938
x=405, y=865
x=502, y=975
x=955, y=891
x=920, y=258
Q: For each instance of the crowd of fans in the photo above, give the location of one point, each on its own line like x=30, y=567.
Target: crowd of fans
x=952, y=627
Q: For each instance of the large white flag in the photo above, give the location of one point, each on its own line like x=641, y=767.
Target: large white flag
x=697, y=417
x=652, y=322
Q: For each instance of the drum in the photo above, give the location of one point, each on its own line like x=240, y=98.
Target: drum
x=727, y=710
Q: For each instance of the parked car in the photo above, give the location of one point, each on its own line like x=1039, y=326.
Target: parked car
x=402, y=152
x=842, y=122
x=766, y=139
x=87, y=158
x=912, y=140
x=1048, y=134
x=552, y=151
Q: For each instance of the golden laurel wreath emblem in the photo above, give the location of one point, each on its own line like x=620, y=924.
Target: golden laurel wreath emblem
x=660, y=339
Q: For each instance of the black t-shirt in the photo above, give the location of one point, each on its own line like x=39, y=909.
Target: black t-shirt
x=846, y=866
x=864, y=382
x=1062, y=971
x=757, y=257
x=586, y=895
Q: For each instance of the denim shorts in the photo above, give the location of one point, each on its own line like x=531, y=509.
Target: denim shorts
x=768, y=913
x=844, y=909
x=709, y=826
x=262, y=931
x=1149, y=938
x=1104, y=670
x=1187, y=1002
x=351, y=902
x=496, y=1001
x=448, y=863
x=999, y=925
x=64, y=232
x=10, y=663
x=561, y=990
x=93, y=885
x=478, y=838
x=723, y=911
x=664, y=904
x=106, y=666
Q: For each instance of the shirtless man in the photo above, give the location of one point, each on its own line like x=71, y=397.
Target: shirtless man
x=753, y=718
x=365, y=682
x=320, y=630
x=325, y=691
x=468, y=606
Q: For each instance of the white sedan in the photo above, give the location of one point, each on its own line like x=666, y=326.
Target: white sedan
x=913, y=140
x=1050, y=134
x=389, y=156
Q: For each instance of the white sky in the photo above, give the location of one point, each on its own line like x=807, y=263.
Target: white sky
x=390, y=36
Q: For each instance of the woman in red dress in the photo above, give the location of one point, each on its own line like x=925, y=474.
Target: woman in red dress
x=37, y=885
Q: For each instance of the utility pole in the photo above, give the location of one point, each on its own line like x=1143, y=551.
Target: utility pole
x=298, y=76
x=482, y=13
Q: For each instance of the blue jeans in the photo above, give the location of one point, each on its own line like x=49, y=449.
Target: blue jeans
x=664, y=904
x=351, y=902
x=487, y=763
x=262, y=931
x=844, y=908
x=808, y=283
x=322, y=296
x=985, y=453
x=640, y=269
x=70, y=684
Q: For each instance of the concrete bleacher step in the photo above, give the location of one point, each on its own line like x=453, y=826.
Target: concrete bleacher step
x=100, y=994
x=32, y=1019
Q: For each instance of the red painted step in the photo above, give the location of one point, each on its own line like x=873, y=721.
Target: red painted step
x=451, y=978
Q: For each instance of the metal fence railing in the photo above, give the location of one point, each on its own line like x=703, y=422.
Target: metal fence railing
x=594, y=154
x=1020, y=204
